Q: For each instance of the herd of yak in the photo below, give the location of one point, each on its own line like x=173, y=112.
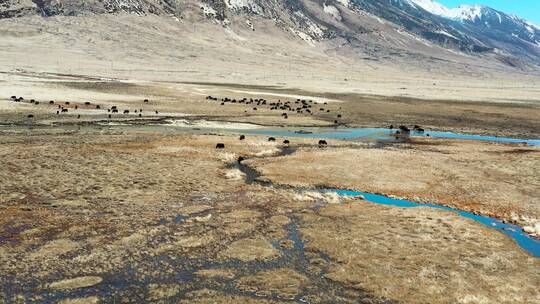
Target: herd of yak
x=64, y=107
x=300, y=106
x=322, y=142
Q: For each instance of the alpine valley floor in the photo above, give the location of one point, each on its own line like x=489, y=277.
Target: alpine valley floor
x=140, y=209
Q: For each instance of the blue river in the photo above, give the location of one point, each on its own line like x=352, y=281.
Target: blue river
x=380, y=134
x=529, y=244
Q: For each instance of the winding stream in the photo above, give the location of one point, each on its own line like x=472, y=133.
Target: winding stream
x=525, y=241
x=528, y=243
x=364, y=134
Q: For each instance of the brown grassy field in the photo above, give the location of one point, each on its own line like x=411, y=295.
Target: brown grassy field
x=98, y=216
x=499, y=180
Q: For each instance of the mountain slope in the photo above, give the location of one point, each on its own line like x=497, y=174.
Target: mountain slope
x=485, y=19
x=479, y=31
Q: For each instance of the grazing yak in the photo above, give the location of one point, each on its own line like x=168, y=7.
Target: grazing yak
x=242, y=137
x=323, y=143
x=271, y=139
x=404, y=129
x=286, y=142
x=220, y=146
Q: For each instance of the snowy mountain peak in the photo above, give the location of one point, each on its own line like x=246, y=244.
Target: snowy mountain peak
x=492, y=21
x=462, y=12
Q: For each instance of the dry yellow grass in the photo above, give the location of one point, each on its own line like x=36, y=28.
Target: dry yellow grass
x=495, y=179
x=160, y=209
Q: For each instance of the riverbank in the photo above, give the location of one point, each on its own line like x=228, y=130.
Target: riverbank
x=462, y=174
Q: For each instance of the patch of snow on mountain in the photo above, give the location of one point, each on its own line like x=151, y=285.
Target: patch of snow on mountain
x=307, y=38
x=345, y=3
x=447, y=34
x=208, y=10
x=431, y=6
x=531, y=27
x=332, y=11
x=465, y=12
x=241, y=4
x=462, y=12
x=313, y=28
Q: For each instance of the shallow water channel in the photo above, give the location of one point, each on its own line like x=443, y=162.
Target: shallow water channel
x=528, y=243
x=525, y=241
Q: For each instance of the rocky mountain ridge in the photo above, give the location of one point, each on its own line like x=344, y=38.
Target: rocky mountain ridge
x=473, y=30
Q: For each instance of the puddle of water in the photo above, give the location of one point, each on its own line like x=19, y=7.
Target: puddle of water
x=180, y=219
x=529, y=244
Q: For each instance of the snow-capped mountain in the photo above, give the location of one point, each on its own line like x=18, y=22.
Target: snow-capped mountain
x=485, y=18
x=476, y=30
